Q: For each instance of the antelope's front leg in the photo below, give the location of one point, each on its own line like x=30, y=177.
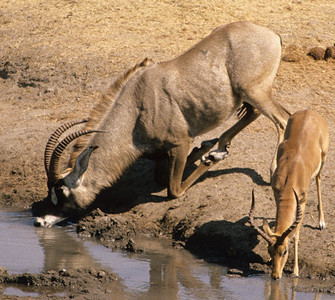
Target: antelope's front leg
x=177, y=163
x=178, y=158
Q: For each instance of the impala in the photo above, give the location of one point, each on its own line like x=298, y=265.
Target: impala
x=156, y=109
x=300, y=158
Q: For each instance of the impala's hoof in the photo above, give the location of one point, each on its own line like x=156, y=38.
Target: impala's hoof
x=322, y=225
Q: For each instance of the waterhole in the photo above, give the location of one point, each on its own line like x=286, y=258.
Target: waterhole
x=160, y=272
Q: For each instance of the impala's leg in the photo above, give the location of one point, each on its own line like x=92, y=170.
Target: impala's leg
x=296, y=240
x=322, y=224
x=250, y=114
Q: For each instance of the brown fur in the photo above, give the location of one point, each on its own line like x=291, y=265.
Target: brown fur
x=300, y=158
x=99, y=112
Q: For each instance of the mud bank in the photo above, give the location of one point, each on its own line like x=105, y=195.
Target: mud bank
x=57, y=58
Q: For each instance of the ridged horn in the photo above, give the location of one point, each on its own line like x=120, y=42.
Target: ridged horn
x=51, y=144
x=54, y=175
x=251, y=221
x=297, y=219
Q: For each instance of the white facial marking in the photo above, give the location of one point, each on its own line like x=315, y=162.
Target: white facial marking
x=66, y=191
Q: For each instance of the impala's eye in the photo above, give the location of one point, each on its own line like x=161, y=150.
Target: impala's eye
x=284, y=253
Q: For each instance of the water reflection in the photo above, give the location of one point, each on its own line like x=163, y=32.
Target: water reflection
x=285, y=290
x=19, y=248
x=62, y=250
x=160, y=272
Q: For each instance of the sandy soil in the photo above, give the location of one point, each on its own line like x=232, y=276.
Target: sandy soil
x=57, y=58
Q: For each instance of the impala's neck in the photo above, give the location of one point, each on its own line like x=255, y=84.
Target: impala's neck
x=286, y=213
x=290, y=175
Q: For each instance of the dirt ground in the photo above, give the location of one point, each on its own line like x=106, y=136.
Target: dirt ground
x=58, y=57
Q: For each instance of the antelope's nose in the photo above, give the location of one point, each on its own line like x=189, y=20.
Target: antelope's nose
x=275, y=276
x=38, y=222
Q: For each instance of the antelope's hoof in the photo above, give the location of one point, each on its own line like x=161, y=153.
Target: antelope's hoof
x=214, y=156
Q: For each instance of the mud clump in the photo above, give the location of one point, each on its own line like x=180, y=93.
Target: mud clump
x=292, y=53
x=330, y=52
x=76, y=282
x=112, y=231
x=317, y=53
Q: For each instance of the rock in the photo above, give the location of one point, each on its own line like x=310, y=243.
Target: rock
x=292, y=53
x=317, y=53
x=330, y=52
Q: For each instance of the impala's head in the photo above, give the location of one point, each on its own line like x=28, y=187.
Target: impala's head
x=277, y=243
x=65, y=192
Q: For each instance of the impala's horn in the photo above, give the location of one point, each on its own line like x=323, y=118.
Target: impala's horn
x=251, y=221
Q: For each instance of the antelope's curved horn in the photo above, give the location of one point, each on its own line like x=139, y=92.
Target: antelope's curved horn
x=51, y=144
x=57, y=153
x=297, y=219
x=251, y=221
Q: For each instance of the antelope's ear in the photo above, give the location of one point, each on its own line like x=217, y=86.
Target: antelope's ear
x=267, y=229
x=80, y=167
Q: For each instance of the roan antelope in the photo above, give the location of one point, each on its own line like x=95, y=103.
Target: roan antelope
x=300, y=158
x=156, y=109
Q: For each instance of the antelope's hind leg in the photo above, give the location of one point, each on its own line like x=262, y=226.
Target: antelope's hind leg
x=247, y=114
x=179, y=159
x=198, y=153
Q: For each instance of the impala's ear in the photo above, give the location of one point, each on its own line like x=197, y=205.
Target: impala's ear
x=80, y=167
x=267, y=229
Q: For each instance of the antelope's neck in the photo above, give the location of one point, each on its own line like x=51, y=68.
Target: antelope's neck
x=116, y=150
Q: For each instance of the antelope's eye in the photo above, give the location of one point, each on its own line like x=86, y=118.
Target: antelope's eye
x=284, y=253
x=61, y=194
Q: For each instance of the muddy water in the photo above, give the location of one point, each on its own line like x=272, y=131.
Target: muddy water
x=160, y=272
